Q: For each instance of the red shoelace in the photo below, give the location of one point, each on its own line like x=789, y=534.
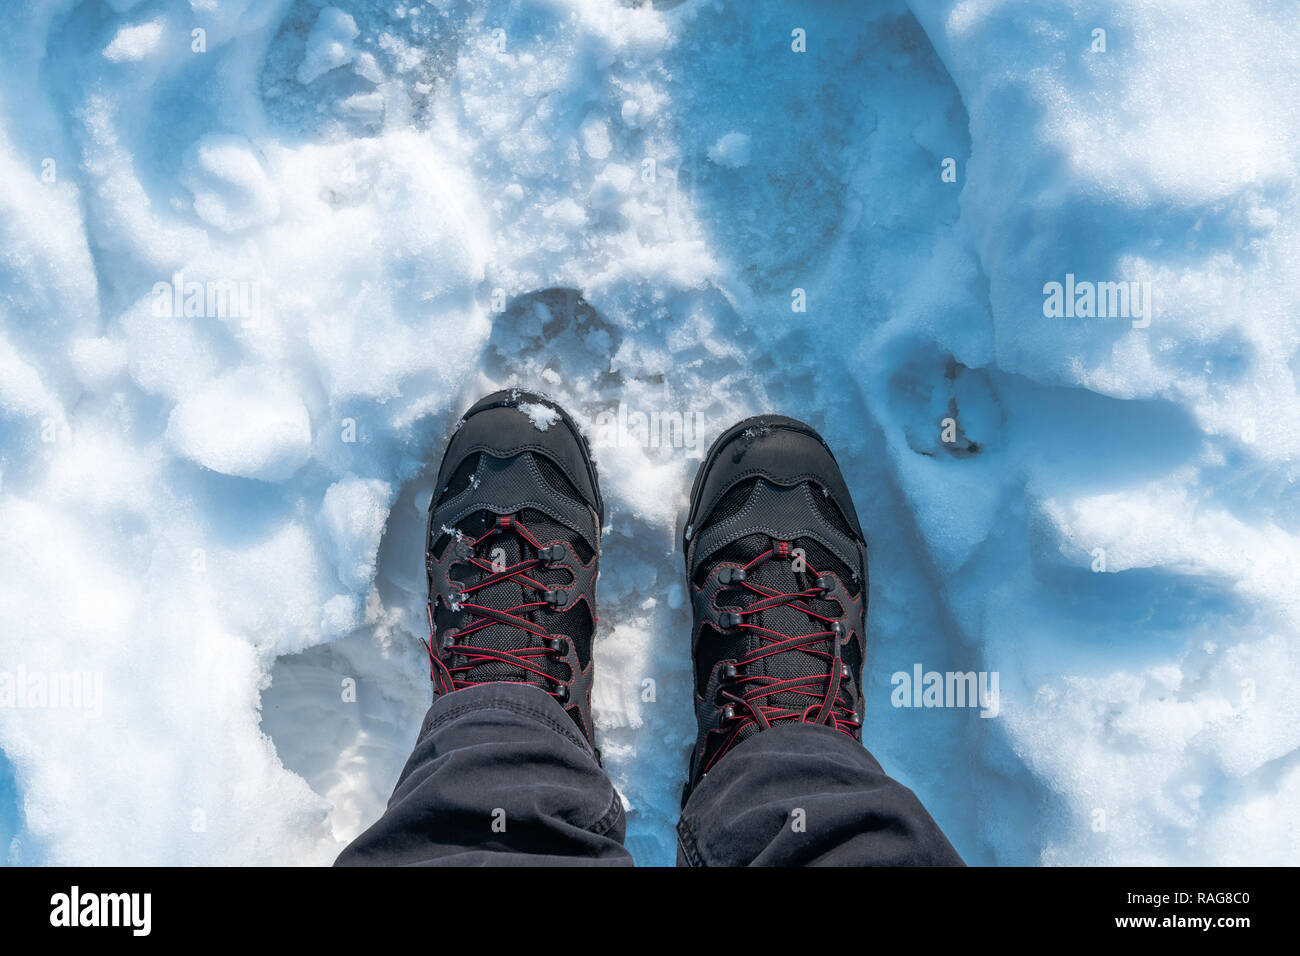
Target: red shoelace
x=750, y=706
x=457, y=675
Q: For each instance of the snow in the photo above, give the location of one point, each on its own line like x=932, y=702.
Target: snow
x=329, y=45
x=353, y=514
x=243, y=424
x=135, y=42
x=231, y=189
x=732, y=151
x=219, y=510
x=540, y=414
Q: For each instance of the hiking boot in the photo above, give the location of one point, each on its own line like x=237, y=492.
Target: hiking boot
x=513, y=551
x=778, y=579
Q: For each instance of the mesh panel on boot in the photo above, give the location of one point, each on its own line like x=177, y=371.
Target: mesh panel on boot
x=831, y=512
x=557, y=479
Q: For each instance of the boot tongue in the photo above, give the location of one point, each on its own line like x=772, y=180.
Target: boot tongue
x=778, y=574
x=504, y=595
x=501, y=597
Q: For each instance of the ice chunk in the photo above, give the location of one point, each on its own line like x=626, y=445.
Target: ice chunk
x=595, y=138
x=329, y=45
x=732, y=150
x=353, y=515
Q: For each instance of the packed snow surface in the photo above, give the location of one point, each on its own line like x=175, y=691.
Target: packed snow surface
x=1031, y=269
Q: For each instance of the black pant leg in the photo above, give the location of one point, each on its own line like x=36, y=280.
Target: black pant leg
x=500, y=775
x=803, y=795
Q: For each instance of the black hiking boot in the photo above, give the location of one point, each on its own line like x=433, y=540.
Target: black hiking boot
x=778, y=578
x=513, y=550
